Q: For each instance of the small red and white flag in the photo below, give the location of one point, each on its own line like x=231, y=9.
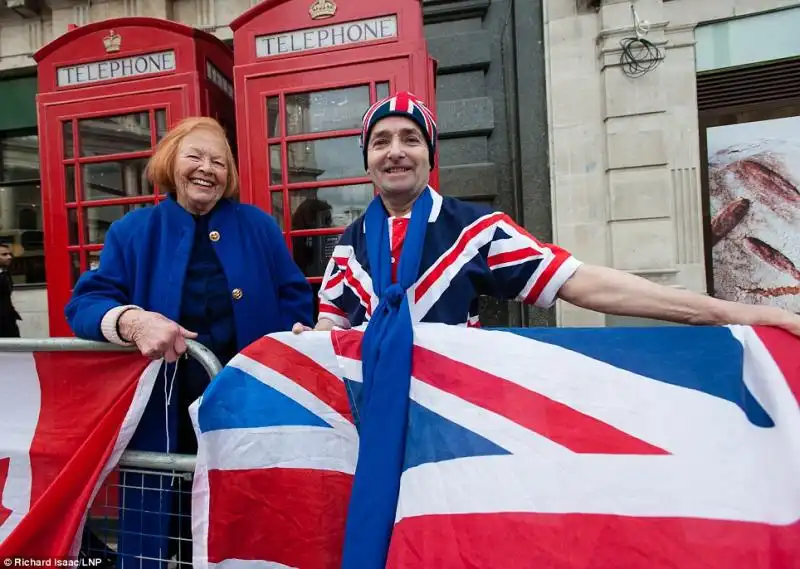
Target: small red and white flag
x=65, y=419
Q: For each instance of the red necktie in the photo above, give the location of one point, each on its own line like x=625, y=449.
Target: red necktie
x=399, y=227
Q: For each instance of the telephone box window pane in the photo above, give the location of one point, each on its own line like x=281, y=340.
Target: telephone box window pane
x=69, y=182
x=382, y=90
x=21, y=207
x=21, y=228
x=311, y=253
x=321, y=111
x=67, y=139
x=75, y=266
x=275, y=167
x=161, y=124
x=97, y=220
x=327, y=159
x=19, y=158
x=113, y=135
x=323, y=208
x=72, y=226
x=123, y=179
x=93, y=260
x=276, y=200
x=273, y=123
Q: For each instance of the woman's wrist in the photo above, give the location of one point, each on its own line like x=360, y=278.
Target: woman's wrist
x=115, y=327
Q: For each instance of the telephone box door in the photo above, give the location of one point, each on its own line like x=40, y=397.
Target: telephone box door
x=98, y=173
x=307, y=165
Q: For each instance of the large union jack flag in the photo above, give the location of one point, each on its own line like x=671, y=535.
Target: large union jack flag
x=616, y=448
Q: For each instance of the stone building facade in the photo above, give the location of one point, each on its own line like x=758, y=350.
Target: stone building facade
x=536, y=117
x=625, y=156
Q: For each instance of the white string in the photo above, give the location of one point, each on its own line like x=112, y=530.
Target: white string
x=167, y=397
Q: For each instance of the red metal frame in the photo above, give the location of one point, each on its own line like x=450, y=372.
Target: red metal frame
x=402, y=61
x=185, y=91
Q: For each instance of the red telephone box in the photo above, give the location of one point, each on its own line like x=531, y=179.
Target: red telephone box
x=108, y=92
x=305, y=71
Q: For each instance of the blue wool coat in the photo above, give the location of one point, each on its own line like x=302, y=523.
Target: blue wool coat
x=144, y=262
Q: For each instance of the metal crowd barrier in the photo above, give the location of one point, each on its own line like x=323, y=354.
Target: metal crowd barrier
x=174, y=472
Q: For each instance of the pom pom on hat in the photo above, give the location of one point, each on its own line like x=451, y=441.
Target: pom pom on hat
x=402, y=104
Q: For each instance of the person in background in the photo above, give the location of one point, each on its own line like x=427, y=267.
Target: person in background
x=8, y=314
x=415, y=256
x=197, y=266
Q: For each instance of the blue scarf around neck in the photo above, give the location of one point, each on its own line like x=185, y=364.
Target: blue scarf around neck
x=382, y=406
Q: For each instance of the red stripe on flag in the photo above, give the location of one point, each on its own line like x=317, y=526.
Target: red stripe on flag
x=334, y=281
x=783, y=347
x=556, y=421
x=347, y=343
x=546, y=276
x=4, y=512
x=331, y=309
x=301, y=513
x=303, y=371
x=357, y=287
x=85, y=397
x=451, y=257
x=512, y=256
x=402, y=102
x=584, y=541
x=560, y=256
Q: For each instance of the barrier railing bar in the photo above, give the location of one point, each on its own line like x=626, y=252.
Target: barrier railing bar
x=157, y=461
x=195, y=350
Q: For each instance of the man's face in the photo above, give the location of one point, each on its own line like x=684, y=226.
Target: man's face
x=397, y=157
x=5, y=256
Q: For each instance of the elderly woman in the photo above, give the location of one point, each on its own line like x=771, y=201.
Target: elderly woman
x=200, y=266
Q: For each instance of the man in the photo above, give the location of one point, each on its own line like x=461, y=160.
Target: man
x=8, y=314
x=471, y=251
x=415, y=256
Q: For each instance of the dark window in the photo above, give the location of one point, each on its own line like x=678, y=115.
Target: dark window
x=21, y=206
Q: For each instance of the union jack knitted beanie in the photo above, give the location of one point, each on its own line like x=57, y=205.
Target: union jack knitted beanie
x=402, y=104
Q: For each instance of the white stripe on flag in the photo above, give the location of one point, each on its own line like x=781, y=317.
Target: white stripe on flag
x=753, y=484
x=293, y=391
x=144, y=388
x=321, y=448
x=201, y=494
x=247, y=564
x=20, y=402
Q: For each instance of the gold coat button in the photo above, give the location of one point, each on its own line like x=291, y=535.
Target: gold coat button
x=214, y=236
x=237, y=293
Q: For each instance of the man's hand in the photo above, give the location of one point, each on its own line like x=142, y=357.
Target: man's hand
x=323, y=325
x=766, y=316
x=155, y=335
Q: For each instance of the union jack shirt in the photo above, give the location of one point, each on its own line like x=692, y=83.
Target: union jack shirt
x=470, y=251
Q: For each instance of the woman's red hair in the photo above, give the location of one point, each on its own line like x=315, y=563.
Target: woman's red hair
x=161, y=166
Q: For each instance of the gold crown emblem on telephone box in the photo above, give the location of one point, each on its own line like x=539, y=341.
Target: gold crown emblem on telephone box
x=112, y=42
x=322, y=9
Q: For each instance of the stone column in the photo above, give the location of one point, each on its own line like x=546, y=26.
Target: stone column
x=7, y=209
x=629, y=178
x=577, y=142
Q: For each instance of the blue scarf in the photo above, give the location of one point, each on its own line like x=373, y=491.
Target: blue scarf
x=383, y=402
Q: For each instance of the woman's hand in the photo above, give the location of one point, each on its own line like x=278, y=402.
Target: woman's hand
x=155, y=335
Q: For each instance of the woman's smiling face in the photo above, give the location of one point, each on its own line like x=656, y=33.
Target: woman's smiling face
x=201, y=171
